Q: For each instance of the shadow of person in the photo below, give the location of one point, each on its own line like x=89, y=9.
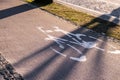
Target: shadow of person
x=116, y=13
x=102, y=23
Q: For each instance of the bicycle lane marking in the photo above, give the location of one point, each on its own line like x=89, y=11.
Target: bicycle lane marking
x=76, y=39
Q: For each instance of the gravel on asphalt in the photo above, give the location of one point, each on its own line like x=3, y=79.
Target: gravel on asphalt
x=7, y=71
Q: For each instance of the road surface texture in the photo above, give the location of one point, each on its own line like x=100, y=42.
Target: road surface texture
x=41, y=46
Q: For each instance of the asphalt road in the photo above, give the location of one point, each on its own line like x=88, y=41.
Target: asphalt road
x=41, y=46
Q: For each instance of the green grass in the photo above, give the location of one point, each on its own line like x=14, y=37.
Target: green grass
x=78, y=18
x=83, y=19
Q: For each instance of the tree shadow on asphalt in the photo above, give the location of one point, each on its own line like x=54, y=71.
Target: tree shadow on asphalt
x=98, y=63
x=63, y=71
x=15, y=10
x=22, y=8
x=65, y=68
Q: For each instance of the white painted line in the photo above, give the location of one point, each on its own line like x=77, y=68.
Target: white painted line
x=58, y=52
x=49, y=31
x=115, y=52
x=100, y=49
x=88, y=44
x=75, y=48
x=81, y=59
x=95, y=38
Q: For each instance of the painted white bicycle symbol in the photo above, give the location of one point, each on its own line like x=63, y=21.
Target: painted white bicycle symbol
x=75, y=39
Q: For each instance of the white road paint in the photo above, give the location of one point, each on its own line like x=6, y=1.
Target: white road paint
x=100, y=49
x=59, y=41
x=75, y=40
x=58, y=52
x=101, y=41
x=75, y=48
x=88, y=44
x=115, y=52
x=81, y=59
x=57, y=29
x=40, y=28
x=94, y=38
x=49, y=31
